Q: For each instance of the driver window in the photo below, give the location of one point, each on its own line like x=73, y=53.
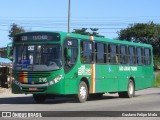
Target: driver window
x=70, y=53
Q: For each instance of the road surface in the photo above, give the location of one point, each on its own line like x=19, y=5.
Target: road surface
x=145, y=100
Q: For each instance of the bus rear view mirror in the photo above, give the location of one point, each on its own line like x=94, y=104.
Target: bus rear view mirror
x=10, y=51
x=68, y=56
x=68, y=53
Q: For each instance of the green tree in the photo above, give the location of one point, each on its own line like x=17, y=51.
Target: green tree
x=95, y=32
x=83, y=31
x=14, y=30
x=145, y=33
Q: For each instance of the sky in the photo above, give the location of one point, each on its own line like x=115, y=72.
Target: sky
x=109, y=16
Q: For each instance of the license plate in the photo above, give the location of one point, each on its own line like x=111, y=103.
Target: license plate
x=32, y=89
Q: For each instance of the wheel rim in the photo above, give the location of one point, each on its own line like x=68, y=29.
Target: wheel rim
x=83, y=92
x=131, y=89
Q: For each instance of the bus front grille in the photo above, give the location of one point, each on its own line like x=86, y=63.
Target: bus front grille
x=31, y=74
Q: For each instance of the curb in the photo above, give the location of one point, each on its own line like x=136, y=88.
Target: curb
x=1, y=90
x=4, y=90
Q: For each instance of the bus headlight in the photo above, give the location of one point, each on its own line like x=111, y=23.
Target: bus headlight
x=56, y=80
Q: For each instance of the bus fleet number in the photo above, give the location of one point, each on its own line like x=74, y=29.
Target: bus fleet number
x=42, y=79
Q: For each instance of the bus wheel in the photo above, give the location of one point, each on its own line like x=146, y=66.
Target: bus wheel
x=82, y=92
x=39, y=98
x=131, y=91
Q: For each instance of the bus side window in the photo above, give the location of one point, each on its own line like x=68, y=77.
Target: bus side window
x=139, y=56
x=105, y=53
x=150, y=57
x=147, y=56
x=124, y=54
x=100, y=53
x=132, y=55
x=117, y=54
x=113, y=56
x=143, y=63
x=87, y=54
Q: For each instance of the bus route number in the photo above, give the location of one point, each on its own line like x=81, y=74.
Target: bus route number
x=69, y=43
x=24, y=38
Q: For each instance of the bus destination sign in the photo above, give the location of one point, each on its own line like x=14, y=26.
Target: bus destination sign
x=37, y=36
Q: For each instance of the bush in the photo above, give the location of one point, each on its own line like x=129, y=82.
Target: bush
x=157, y=62
x=157, y=82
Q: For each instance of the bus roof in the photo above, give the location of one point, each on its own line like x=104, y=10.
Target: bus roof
x=100, y=39
x=86, y=37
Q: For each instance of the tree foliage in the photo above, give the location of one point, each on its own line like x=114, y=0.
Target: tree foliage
x=148, y=33
x=14, y=30
x=83, y=31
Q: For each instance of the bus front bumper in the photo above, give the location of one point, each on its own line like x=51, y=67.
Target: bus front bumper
x=18, y=87
x=26, y=88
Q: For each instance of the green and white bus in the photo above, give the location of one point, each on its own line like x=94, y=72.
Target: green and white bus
x=48, y=64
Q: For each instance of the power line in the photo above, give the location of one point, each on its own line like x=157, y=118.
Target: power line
x=84, y=17
x=74, y=18
x=3, y=30
x=102, y=23
x=54, y=23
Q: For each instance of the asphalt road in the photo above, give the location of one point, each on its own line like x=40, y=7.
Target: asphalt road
x=145, y=100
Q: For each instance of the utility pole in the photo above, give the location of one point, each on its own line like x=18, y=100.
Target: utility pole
x=69, y=2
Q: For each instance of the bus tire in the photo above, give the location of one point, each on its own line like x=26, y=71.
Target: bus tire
x=39, y=98
x=130, y=92
x=82, y=92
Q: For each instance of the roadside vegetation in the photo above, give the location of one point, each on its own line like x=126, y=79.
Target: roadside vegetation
x=157, y=82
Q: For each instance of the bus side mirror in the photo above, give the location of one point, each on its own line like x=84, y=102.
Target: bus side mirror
x=10, y=51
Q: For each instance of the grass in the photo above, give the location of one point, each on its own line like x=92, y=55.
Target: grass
x=157, y=82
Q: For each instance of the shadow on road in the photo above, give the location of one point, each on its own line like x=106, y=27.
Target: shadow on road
x=62, y=99
x=147, y=94
x=104, y=98
x=17, y=100
x=57, y=100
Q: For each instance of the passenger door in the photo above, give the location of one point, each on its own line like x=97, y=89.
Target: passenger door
x=70, y=52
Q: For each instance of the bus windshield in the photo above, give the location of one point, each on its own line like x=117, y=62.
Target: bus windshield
x=37, y=57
